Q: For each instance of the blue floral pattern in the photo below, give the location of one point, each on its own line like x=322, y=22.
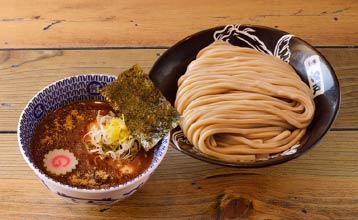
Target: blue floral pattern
x=54, y=96
x=90, y=201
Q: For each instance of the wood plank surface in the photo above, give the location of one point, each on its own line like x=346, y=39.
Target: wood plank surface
x=109, y=23
x=24, y=73
x=322, y=184
x=108, y=36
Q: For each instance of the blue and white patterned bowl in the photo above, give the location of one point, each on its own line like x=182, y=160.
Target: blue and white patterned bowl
x=81, y=87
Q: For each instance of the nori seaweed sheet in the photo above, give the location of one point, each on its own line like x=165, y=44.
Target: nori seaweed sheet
x=148, y=115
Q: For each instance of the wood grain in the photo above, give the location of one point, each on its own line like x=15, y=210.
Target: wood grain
x=322, y=184
x=24, y=73
x=79, y=23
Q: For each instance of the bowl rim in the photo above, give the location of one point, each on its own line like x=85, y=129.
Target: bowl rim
x=268, y=162
x=41, y=175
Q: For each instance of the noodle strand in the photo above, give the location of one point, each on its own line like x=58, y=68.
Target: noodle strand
x=239, y=104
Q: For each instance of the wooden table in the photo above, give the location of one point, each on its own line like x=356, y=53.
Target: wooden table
x=42, y=42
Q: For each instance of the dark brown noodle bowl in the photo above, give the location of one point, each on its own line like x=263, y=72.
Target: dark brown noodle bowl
x=310, y=65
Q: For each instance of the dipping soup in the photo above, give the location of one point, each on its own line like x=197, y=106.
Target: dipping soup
x=64, y=130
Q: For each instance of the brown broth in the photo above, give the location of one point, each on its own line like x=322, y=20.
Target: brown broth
x=64, y=129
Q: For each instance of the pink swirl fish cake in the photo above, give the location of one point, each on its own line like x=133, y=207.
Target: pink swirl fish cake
x=60, y=161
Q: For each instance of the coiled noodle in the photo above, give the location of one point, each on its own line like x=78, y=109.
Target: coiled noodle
x=239, y=104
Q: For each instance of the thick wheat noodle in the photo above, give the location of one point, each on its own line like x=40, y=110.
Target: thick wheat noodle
x=239, y=95
x=205, y=87
x=246, y=77
x=241, y=104
x=246, y=84
x=287, y=115
x=209, y=101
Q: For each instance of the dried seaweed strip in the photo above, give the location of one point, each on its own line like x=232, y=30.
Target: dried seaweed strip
x=149, y=116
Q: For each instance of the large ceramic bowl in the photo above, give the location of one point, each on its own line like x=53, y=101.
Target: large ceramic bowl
x=82, y=87
x=309, y=64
